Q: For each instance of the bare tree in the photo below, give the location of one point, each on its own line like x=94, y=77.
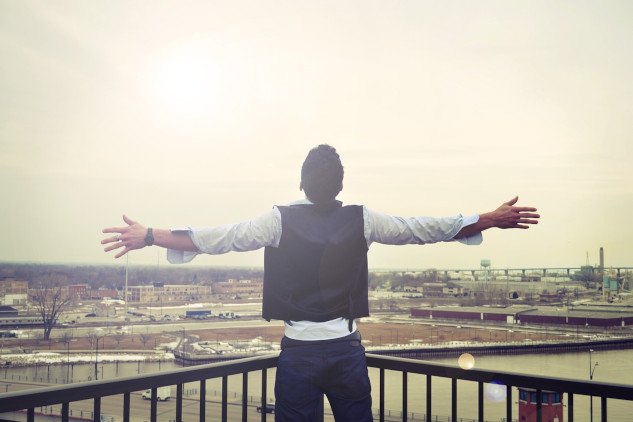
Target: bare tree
x=92, y=339
x=50, y=299
x=119, y=337
x=145, y=338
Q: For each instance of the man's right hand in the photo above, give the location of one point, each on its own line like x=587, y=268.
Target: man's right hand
x=507, y=216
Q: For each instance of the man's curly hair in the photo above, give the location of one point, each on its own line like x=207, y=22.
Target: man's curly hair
x=322, y=174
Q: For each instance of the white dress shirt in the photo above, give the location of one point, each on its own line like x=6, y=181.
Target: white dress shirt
x=265, y=230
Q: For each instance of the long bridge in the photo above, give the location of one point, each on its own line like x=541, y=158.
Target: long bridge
x=544, y=271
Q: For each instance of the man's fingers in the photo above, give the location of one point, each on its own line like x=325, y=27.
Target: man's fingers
x=523, y=221
x=112, y=247
x=529, y=215
x=128, y=220
x=525, y=209
x=123, y=252
x=110, y=240
x=114, y=230
x=512, y=201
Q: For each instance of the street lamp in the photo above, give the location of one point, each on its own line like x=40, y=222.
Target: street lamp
x=67, y=360
x=592, y=369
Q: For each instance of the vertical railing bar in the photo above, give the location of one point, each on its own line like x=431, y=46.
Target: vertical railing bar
x=244, y=396
x=203, y=400
x=153, y=405
x=509, y=402
x=405, y=395
x=480, y=400
x=30, y=415
x=126, y=407
x=225, y=387
x=428, y=397
x=453, y=399
x=96, y=406
x=65, y=409
x=264, y=392
x=320, y=417
x=539, y=405
x=381, y=409
x=570, y=407
x=603, y=408
x=179, y=388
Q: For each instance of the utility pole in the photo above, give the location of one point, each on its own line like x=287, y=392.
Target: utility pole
x=97, y=360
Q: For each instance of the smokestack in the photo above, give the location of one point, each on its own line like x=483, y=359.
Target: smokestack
x=602, y=271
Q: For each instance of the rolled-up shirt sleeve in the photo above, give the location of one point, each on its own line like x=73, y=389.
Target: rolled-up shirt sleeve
x=250, y=235
x=393, y=230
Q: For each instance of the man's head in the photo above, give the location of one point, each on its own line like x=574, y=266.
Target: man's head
x=322, y=174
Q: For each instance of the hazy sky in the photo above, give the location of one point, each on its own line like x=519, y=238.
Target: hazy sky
x=201, y=113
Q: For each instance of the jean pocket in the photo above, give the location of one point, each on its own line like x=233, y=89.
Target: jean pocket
x=294, y=380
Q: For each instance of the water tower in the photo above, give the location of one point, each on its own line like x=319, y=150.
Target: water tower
x=485, y=269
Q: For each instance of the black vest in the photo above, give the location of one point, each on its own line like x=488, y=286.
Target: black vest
x=319, y=270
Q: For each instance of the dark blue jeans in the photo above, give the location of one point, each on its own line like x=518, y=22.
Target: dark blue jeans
x=336, y=368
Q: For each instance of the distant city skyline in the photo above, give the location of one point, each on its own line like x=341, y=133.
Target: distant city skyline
x=201, y=113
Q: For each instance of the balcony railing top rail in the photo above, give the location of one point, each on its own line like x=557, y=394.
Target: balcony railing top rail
x=25, y=399
x=568, y=385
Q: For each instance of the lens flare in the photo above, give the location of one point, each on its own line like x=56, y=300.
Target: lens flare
x=496, y=391
x=466, y=361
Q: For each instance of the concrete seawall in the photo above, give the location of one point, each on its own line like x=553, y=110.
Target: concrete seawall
x=449, y=350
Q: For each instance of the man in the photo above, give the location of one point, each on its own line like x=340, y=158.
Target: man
x=315, y=278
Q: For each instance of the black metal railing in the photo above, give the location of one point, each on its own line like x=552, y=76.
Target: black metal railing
x=29, y=401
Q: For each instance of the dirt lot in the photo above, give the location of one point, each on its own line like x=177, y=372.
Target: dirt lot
x=374, y=334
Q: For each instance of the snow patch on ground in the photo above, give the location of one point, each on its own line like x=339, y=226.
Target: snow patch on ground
x=52, y=358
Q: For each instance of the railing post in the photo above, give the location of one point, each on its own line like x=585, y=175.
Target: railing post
x=404, y=396
x=65, y=410
x=179, y=388
x=244, y=396
x=203, y=399
x=480, y=401
x=509, y=403
x=539, y=405
x=453, y=399
x=603, y=408
x=225, y=387
x=381, y=408
x=264, y=388
x=126, y=407
x=428, y=397
x=96, y=413
x=153, y=405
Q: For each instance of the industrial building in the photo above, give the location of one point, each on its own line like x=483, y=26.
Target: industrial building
x=572, y=316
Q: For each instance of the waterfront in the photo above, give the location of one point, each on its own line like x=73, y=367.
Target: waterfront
x=612, y=365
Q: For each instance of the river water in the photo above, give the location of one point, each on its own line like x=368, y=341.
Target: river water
x=614, y=366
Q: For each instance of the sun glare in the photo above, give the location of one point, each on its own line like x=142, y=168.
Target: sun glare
x=182, y=81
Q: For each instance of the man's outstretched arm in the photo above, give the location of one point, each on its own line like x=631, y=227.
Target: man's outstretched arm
x=507, y=216
x=132, y=237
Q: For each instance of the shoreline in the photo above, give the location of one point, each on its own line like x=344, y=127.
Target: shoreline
x=421, y=351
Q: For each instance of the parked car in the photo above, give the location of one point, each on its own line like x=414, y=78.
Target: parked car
x=270, y=408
